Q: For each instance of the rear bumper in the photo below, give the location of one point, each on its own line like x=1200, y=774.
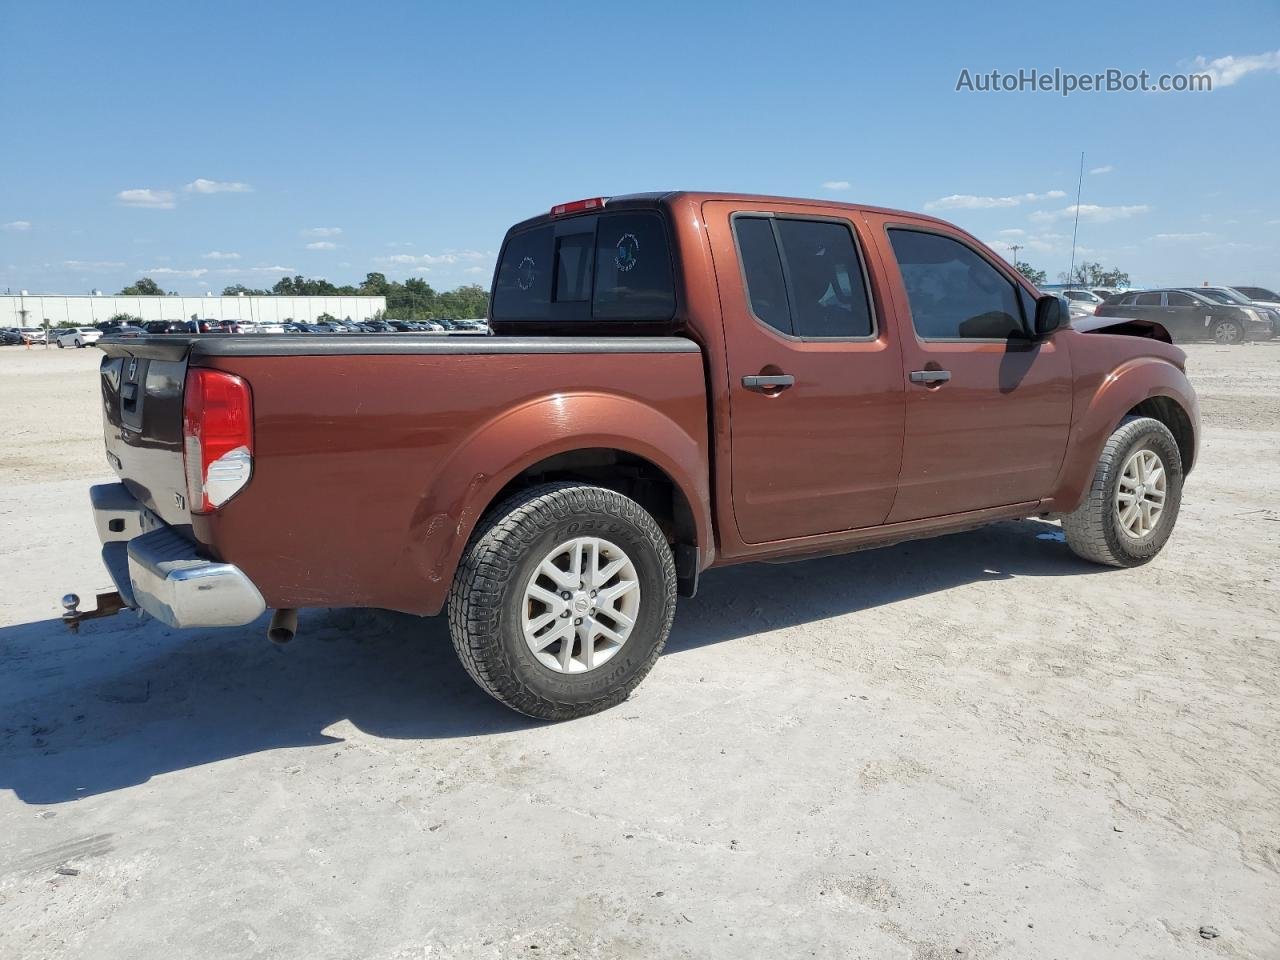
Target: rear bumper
x=157, y=570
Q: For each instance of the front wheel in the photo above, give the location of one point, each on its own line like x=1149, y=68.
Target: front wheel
x=1228, y=332
x=1132, y=504
x=61, y=345
x=563, y=600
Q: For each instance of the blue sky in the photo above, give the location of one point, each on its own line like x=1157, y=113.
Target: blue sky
x=207, y=144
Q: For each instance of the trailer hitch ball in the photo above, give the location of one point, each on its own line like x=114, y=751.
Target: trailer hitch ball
x=70, y=613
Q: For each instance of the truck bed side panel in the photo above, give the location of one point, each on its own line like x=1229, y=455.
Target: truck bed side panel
x=370, y=471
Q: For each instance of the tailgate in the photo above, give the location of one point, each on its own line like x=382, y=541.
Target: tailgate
x=142, y=383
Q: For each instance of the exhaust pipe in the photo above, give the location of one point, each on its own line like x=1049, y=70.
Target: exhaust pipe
x=284, y=626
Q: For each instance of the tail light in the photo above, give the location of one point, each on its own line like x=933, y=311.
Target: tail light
x=217, y=437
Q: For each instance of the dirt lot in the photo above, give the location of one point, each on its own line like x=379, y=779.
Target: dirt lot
x=975, y=746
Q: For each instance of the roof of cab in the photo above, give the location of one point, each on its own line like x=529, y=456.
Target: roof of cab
x=666, y=197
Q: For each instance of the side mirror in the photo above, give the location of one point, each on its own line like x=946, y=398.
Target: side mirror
x=1052, y=312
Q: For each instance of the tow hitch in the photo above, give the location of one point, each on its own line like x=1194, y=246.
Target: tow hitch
x=109, y=604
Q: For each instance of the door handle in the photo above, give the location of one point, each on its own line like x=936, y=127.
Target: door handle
x=762, y=383
x=930, y=377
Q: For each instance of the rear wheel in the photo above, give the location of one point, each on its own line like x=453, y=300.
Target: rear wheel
x=61, y=345
x=1132, y=504
x=563, y=600
x=1228, y=331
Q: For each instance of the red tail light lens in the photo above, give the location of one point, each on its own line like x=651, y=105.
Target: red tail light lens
x=217, y=437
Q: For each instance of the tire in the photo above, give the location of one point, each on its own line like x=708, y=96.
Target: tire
x=61, y=345
x=1095, y=530
x=79, y=345
x=496, y=591
x=1228, y=332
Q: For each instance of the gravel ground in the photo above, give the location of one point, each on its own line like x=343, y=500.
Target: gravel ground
x=973, y=746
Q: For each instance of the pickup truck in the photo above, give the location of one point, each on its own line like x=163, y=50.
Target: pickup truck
x=674, y=382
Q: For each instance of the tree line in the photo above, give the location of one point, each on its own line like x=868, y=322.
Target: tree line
x=412, y=299
x=1087, y=275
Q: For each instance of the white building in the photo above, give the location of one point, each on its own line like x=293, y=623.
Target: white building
x=86, y=311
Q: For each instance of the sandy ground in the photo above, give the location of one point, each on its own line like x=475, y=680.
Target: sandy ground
x=974, y=746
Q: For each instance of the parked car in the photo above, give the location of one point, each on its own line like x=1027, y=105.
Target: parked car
x=34, y=334
x=10, y=336
x=1189, y=315
x=77, y=336
x=1232, y=296
x=379, y=326
x=1259, y=294
x=1086, y=300
x=170, y=326
x=821, y=377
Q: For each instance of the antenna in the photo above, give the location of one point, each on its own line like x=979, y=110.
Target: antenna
x=1075, y=229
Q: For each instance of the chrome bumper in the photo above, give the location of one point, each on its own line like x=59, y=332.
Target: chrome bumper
x=159, y=571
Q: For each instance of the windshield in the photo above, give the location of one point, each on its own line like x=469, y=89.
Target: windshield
x=1223, y=295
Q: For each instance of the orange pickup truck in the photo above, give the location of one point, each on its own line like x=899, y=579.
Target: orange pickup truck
x=675, y=381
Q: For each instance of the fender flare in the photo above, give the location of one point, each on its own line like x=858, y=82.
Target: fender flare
x=1135, y=381
x=465, y=484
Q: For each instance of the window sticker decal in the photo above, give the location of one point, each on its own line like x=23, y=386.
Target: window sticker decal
x=628, y=252
x=526, y=273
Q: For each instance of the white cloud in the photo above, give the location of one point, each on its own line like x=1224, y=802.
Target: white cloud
x=146, y=197
x=92, y=265
x=322, y=232
x=16, y=226
x=1091, y=213
x=427, y=260
x=171, y=272
x=835, y=185
x=201, y=185
x=1032, y=242
x=1105, y=168
x=967, y=201
x=475, y=270
x=272, y=270
x=221, y=255
x=322, y=245
x=1227, y=71
x=1183, y=237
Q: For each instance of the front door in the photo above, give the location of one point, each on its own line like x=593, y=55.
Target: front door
x=815, y=388
x=987, y=408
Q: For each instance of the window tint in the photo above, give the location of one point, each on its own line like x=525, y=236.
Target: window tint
x=523, y=288
x=573, y=268
x=804, y=277
x=1148, y=300
x=1130, y=300
x=601, y=267
x=762, y=268
x=633, y=269
x=828, y=297
x=1180, y=300
x=953, y=293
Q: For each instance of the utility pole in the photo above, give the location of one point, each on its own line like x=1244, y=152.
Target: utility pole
x=1015, y=247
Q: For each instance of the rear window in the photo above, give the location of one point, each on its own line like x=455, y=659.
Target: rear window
x=609, y=267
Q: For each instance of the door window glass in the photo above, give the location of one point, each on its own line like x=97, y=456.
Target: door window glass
x=953, y=293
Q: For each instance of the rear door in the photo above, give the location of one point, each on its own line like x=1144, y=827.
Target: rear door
x=815, y=387
x=987, y=408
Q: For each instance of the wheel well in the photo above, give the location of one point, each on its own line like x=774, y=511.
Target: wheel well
x=1169, y=412
x=631, y=475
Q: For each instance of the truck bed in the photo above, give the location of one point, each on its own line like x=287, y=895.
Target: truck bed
x=373, y=453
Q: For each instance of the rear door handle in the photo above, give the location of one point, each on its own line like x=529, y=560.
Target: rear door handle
x=930, y=376
x=762, y=383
